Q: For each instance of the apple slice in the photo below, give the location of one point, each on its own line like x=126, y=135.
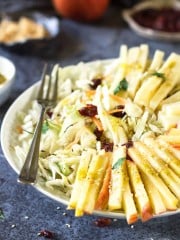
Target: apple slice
x=164, y=151
x=80, y=177
x=169, y=177
x=134, y=76
x=141, y=197
x=175, y=152
x=154, y=195
x=92, y=184
x=103, y=196
x=149, y=86
x=171, y=70
x=169, y=199
x=117, y=179
x=128, y=200
x=171, y=99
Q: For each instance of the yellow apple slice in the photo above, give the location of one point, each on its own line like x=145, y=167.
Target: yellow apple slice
x=117, y=179
x=147, y=90
x=169, y=199
x=134, y=76
x=141, y=197
x=174, y=151
x=171, y=99
x=154, y=195
x=164, y=152
x=169, y=177
x=156, y=61
x=79, y=180
x=92, y=184
x=172, y=77
x=128, y=200
x=122, y=68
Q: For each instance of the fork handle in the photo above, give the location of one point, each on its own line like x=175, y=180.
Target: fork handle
x=29, y=170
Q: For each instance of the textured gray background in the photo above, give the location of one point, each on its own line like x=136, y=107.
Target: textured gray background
x=77, y=42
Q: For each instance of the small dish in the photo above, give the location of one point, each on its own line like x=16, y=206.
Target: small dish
x=51, y=24
x=149, y=32
x=7, y=69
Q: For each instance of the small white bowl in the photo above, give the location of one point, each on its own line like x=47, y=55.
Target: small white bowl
x=8, y=70
x=148, y=32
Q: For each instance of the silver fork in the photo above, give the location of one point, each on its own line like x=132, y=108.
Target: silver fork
x=46, y=98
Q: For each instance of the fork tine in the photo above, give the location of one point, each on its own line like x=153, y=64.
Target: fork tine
x=40, y=93
x=48, y=87
x=55, y=90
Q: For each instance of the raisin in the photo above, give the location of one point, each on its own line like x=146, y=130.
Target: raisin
x=89, y=110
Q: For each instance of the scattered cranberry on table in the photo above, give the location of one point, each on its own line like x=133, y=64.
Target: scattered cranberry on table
x=103, y=222
x=46, y=234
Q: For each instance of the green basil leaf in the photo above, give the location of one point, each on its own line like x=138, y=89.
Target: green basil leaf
x=45, y=127
x=160, y=75
x=123, y=85
x=54, y=126
x=118, y=163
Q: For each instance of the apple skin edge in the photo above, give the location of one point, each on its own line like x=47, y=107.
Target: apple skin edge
x=147, y=213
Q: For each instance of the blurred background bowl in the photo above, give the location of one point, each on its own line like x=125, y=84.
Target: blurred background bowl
x=147, y=32
x=49, y=21
x=8, y=70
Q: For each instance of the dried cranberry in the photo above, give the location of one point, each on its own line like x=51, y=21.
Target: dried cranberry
x=128, y=144
x=95, y=83
x=103, y=222
x=89, y=110
x=49, y=113
x=98, y=134
x=107, y=146
x=120, y=106
x=46, y=234
x=119, y=114
x=129, y=158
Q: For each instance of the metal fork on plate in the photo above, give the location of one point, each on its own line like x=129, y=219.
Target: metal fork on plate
x=47, y=97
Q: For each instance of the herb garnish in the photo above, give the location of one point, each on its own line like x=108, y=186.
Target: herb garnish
x=27, y=131
x=50, y=125
x=1, y=214
x=45, y=127
x=118, y=163
x=123, y=85
x=160, y=75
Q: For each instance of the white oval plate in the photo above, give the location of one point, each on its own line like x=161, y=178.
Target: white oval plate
x=8, y=141
x=148, y=32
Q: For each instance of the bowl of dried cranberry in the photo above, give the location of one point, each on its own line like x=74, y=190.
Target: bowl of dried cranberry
x=155, y=19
